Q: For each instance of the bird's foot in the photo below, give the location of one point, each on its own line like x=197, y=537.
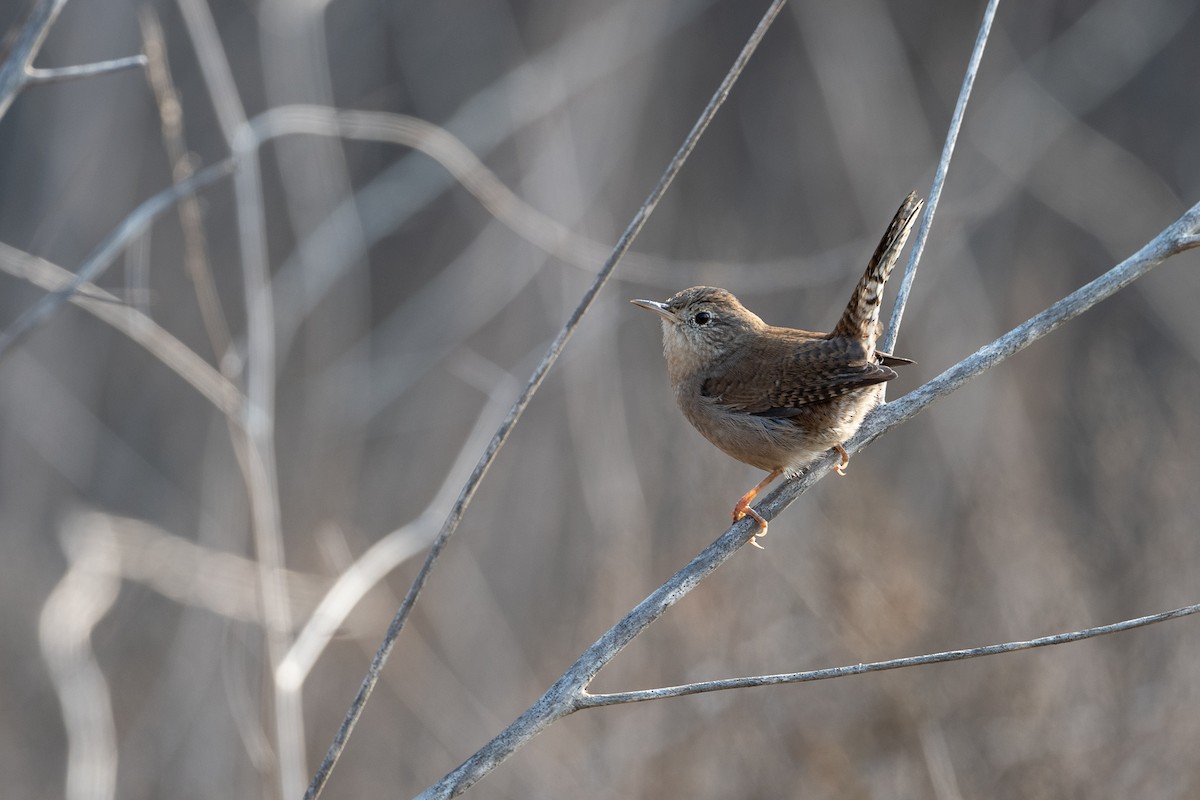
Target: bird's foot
x=743, y=509
x=741, y=512
x=840, y=469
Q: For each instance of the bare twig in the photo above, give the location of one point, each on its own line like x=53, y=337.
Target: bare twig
x=257, y=449
x=471, y=772
x=616, y=698
x=888, y=343
x=58, y=74
x=14, y=72
x=17, y=71
x=195, y=246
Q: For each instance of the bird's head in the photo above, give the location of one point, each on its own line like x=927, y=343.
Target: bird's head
x=701, y=327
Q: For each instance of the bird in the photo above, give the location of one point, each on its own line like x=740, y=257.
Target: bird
x=777, y=398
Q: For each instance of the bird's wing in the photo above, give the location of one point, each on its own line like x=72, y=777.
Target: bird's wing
x=802, y=371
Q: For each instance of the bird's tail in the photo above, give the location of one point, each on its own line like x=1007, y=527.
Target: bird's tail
x=861, y=318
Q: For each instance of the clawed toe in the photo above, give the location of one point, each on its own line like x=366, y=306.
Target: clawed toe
x=741, y=512
x=840, y=469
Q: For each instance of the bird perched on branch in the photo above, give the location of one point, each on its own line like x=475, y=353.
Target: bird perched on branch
x=776, y=398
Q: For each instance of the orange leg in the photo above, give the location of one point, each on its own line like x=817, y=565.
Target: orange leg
x=743, y=509
x=840, y=469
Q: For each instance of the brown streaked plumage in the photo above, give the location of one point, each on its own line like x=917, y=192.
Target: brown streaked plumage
x=776, y=398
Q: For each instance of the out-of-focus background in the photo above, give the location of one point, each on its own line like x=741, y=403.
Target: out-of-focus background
x=1056, y=492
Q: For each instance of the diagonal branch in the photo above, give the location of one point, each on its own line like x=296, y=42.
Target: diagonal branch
x=467, y=774
x=888, y=343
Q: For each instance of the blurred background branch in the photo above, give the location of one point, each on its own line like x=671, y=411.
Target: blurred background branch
x=107, y=251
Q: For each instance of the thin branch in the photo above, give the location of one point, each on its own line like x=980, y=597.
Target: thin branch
x=214, y=67
x=472, y=771
x=104, y=255
x=262, y=480
x=939, y=178
x=57, y=74
x=14, y=75
x=257, y=449
x=195, y=246
x=617, y=698
x=17, y=70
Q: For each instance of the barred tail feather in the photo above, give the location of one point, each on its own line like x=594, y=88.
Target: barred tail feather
x=861, y=318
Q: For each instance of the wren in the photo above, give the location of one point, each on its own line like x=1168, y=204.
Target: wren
x=777, y=398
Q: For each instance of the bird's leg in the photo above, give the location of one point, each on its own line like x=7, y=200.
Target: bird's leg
x=743, y=509
x=840, y=469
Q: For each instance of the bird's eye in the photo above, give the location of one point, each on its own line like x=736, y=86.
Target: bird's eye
x=702, y=318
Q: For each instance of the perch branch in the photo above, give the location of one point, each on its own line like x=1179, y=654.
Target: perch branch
x=255, y=444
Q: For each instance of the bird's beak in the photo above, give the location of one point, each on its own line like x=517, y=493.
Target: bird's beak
x=658, y=308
